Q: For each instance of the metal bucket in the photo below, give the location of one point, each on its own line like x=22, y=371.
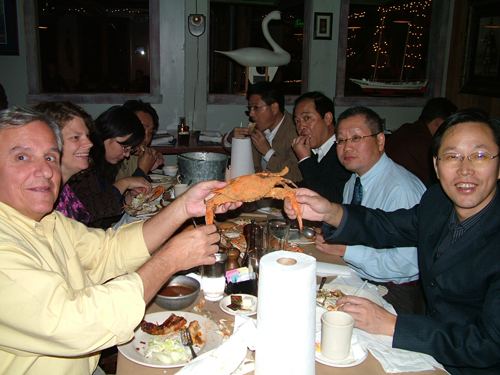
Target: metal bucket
x=202, y=166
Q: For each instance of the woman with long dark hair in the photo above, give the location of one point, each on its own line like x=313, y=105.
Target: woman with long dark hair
x=118, y=132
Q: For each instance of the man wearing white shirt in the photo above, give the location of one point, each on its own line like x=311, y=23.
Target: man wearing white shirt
x=273, y=133
x=377, y=182
x=315, y=146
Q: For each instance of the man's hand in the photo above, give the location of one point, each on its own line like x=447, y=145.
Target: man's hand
x=260, y=142
x=327, y=247
x=302, y=146
x=158, y=160
x=368, y=316
x=237, y=133
x=147, y=159
x=314, y=207
x=186, y=250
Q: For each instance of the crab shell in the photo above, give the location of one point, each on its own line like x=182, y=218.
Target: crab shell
x=253, y=187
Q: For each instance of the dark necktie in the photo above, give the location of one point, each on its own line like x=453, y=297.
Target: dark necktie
x=457, y=230
x=357, y=196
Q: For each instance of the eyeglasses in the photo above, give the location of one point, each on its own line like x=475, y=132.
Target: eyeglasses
x=477, y=159
x=354, y=139
x=128, y=150
x=255, y=107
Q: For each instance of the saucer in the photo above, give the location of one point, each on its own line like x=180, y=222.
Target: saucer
x=356, y=355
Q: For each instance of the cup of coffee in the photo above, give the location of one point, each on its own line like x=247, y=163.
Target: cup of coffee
x=180, y=189
x=336, y=334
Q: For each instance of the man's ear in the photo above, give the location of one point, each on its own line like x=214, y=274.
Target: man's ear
x=275, y=108
x=328, y=118
x=436, y=167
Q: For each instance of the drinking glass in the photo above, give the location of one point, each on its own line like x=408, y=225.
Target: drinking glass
x=277, y=232
x=213, y=278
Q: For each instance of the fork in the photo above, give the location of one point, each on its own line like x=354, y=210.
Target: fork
x=187, y=340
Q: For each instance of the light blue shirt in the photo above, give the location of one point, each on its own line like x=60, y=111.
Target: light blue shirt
x=389, y=187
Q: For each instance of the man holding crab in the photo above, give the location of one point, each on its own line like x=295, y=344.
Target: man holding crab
x=456, y=229
x=69, y=291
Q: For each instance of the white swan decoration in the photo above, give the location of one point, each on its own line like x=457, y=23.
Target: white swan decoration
x=254, y=56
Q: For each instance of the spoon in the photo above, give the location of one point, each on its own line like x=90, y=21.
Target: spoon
x=322, y=283
x=308, y=232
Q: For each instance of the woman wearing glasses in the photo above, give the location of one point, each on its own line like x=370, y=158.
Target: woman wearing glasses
x=118, y=132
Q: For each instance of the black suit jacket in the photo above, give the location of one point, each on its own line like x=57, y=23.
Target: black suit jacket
x=327, y=178
x=462, y=326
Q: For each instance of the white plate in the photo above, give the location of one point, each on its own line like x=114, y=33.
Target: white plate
x=356, y=355
x=350, y=290
x=271, y=211
x=208, y=329
x=227, y=301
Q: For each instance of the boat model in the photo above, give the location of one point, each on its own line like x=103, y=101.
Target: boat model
x=391, y=87
x=414, y=87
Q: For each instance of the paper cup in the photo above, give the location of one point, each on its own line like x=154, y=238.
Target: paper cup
x=336, y=333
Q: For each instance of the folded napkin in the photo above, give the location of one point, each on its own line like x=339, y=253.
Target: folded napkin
x=329, y=269
x=227, y=358
x=210, y=136
x=162, y=140
x=395, y=360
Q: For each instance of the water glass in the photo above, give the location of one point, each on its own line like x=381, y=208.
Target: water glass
x=213, y=278
x=277, y=232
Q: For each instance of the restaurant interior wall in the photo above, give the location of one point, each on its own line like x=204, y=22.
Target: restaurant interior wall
x=182, y=62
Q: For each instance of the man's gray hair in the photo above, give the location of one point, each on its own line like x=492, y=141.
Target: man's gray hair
x=17, y=117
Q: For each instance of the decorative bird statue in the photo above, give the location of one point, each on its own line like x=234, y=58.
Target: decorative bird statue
x=261, y=57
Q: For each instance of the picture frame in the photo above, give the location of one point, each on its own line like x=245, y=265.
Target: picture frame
x=323, y=26
x=9, y=43
x=481, y=68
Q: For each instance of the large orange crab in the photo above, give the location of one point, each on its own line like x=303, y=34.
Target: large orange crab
x=253, y=187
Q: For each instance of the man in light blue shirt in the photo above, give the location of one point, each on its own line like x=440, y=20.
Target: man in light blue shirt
x=377, y=182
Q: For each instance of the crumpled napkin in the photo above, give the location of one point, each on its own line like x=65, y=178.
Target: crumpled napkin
x=395, y=360
x=330, y=269
x=225, y=359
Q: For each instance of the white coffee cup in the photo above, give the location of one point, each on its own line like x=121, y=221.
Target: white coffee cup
x=336, y=334
x=180, y=189
x=170, y=170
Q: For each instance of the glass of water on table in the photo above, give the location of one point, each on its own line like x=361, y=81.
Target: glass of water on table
x=213, y=278
x=277, y=233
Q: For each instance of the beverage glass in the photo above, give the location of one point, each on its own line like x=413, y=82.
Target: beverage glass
x=213, y=278
x=277, y=232
x=336, y=333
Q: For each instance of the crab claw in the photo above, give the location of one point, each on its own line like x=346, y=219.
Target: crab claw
x=157, y=191
x=210, y=214
x=295, y=206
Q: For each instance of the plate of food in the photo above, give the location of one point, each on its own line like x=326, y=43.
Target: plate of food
x=157, y=341
x=327, y=296
x=144, y=204
x=239, y=304
x=356, y=354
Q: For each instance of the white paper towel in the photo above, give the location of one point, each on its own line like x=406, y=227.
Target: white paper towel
x=286, y=313
x=241, y=157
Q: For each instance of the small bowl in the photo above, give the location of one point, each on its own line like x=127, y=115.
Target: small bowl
x=178, y=302
x=170, y=170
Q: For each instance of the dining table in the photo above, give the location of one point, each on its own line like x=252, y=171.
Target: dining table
x=211, y=309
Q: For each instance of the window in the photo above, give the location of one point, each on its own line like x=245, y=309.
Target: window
x=101, y=51
x=391, y=43
x=238, y=26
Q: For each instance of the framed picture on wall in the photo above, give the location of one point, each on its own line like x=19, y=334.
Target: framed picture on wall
x=481, y=69
x=323, y=25
x=9, y=44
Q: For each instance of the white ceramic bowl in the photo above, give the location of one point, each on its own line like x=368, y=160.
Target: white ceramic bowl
x=170, y=170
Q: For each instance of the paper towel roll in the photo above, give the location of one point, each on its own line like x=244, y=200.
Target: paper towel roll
x=241, y=157
x=286, y=314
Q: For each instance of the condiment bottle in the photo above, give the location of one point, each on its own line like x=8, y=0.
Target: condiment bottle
x=183, y=133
